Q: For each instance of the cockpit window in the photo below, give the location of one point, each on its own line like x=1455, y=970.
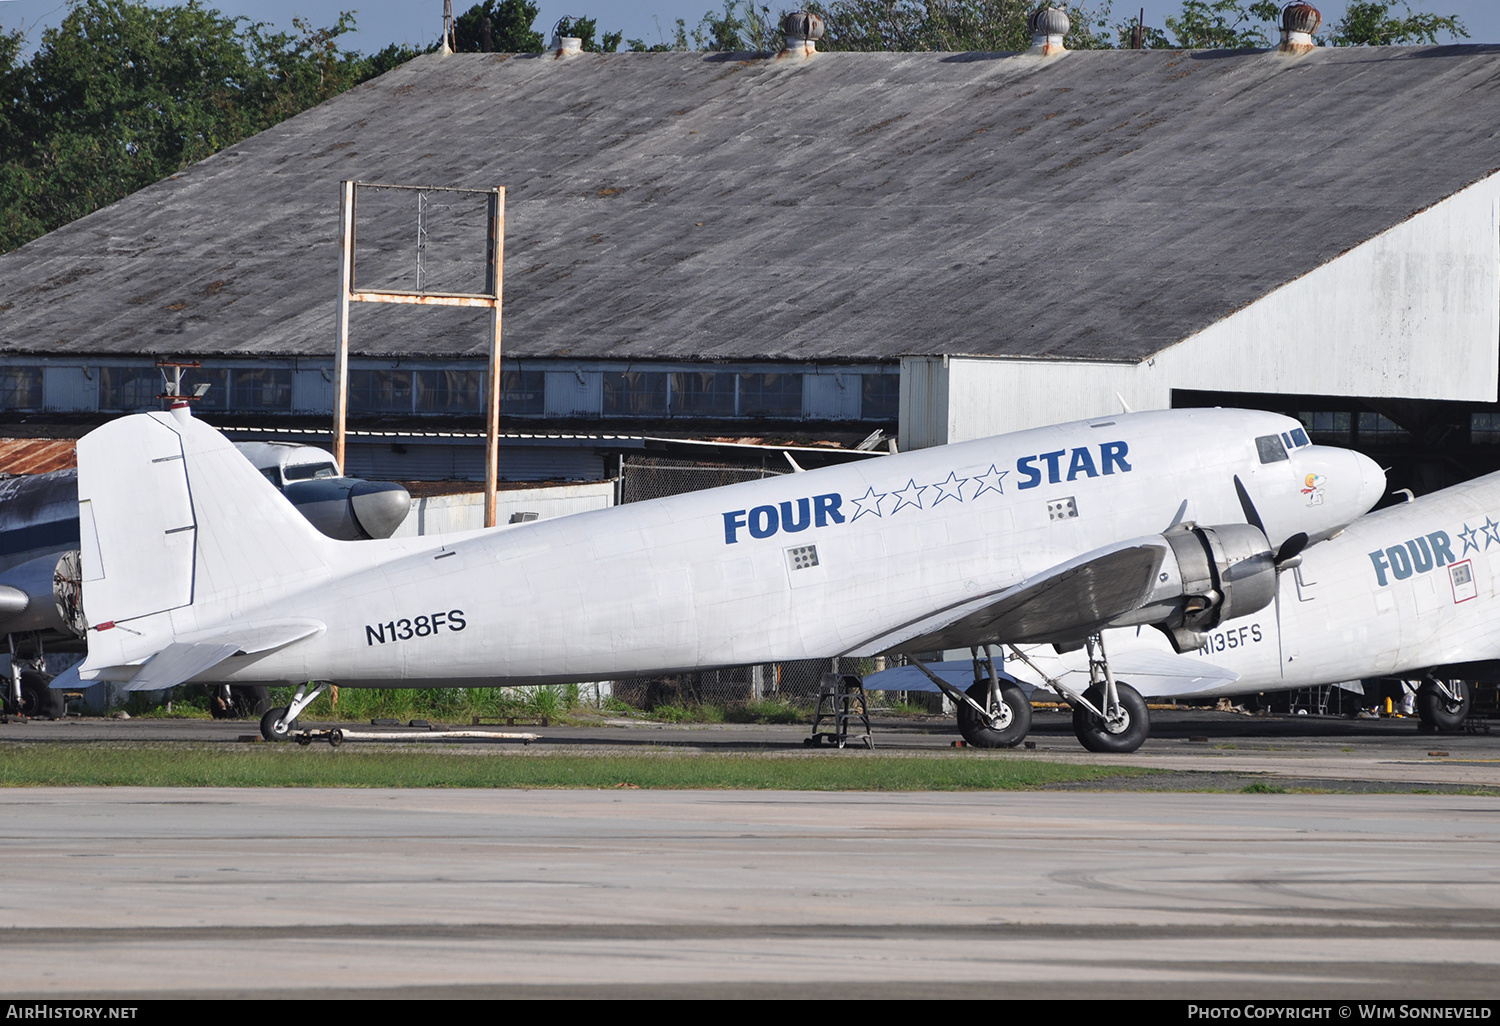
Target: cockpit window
x=1271, y=449
x=1299, y=438
x=272, y=476
x=311, y=471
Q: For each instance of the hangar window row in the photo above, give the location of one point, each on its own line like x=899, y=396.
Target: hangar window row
x=571, y=390
x=1346, y=428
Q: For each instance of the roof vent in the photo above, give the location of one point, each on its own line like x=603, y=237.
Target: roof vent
x=1048, y=25
x=1298, y=22
x=561, y=45
x=803, y=29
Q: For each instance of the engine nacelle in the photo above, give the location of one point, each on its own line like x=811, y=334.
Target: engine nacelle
x=43, y=594
x=1208, y=575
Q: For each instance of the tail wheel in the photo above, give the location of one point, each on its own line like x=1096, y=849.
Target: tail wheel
x=273, y=726
x=1126, y=732
x=1012, y=720
x=1439, y=710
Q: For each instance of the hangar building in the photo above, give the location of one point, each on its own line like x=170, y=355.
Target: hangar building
x=731, y=244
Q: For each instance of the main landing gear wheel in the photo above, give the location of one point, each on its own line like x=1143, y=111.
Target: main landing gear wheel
x=1012, y=719
x=245, y=701
x=1440, y=712
x=1126, y=732
x=273, y=727
x=39, y=701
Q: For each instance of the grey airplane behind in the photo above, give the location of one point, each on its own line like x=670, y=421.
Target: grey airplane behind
x=39, y=564
x=195, y=569
x=1406, y=592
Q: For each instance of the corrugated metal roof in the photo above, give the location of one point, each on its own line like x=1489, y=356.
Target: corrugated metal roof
x=37, y=455
x=1101, y=205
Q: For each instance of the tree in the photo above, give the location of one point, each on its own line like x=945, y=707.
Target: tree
x=1222, y=24
x=122, y=94
x=1369, y=23
x=583, y=29
x=679, y=40
x=510, y=28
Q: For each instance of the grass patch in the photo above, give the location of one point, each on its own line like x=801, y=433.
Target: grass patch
x=768, y=711
x=29, y=765
x=1262, y=789
x=445, y=705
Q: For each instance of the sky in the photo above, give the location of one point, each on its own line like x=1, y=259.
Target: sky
x=419, y=22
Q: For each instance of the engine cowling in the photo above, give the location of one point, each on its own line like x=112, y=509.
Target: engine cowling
x=1208, y=575
x=43, y=594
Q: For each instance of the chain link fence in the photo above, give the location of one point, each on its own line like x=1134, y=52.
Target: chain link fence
x=645, y=477
x=796, y=683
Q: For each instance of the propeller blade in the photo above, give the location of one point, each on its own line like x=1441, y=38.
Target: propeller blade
x=1290, y=553
x=1252, y=517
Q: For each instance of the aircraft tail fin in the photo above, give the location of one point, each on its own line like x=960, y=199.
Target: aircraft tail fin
x=173, y=522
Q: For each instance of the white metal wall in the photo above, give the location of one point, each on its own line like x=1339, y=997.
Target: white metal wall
x=449, y=514
x=1412, y=313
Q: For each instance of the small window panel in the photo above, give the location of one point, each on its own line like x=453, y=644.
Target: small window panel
x=1299, y=438
x=1484, y=428
x=309, y=471
x=802, y=557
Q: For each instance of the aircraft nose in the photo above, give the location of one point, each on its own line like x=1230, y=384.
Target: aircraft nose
x=1371, y=481
x=379, y=507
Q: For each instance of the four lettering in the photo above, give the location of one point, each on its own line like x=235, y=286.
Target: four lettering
x=1416, y=556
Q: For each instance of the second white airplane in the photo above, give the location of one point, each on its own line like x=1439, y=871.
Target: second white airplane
x=195, y=568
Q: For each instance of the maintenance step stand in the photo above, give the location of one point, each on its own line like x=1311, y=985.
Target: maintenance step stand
x=841, y=699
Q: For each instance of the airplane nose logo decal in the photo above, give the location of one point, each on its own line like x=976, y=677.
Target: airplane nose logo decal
x=1313, y=489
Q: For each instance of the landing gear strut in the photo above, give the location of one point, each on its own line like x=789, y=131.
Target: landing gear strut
x=1110, y=716
x=992, y=713
x=27, y=691
x=1443, y=704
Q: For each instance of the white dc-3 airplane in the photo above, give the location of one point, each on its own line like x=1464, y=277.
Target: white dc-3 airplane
x=196, y=568
x=1410, y=588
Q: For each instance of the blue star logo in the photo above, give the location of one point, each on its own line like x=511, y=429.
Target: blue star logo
x=911, y=495
x=1491, y=532
x=990, y=481
x=1471, y=539
x=950, y=489
x=868, y=503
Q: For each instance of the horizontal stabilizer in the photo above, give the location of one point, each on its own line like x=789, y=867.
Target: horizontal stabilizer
x=177, y=663
x=255, y=638
x=69, y=679
x=958, y=672
x=185, y=659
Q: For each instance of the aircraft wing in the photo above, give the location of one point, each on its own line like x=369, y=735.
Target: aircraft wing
x=1064, y=604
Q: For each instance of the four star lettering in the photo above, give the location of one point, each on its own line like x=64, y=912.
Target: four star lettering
x=818, y=511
